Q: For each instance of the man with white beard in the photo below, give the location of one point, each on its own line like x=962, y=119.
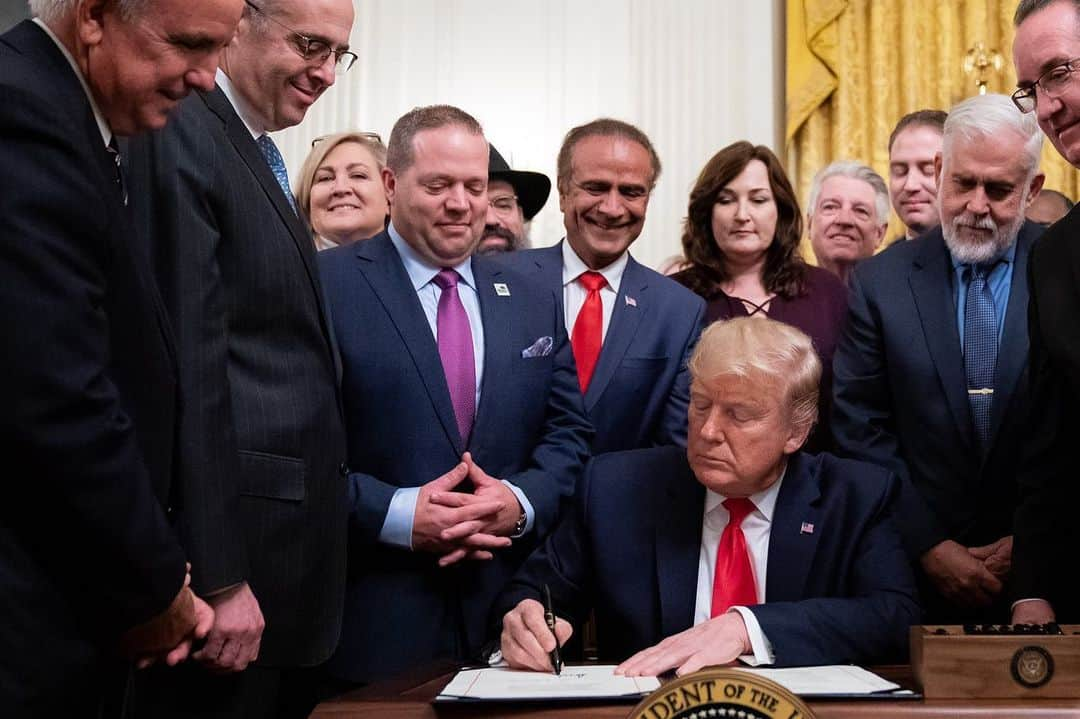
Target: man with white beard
x=931, y=370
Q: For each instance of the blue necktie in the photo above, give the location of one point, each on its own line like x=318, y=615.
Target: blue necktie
x=277, y=166
x=980, y=350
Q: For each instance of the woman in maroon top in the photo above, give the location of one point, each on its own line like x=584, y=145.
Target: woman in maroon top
x=741, y=239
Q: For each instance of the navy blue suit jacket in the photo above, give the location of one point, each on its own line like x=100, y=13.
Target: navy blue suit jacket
x=840, y=593
x=639, y=392
x=530, y=429
x=900, y=396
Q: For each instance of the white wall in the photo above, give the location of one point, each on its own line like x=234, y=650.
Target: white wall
x=695, y=75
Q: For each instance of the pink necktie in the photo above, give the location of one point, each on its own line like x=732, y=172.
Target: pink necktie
x=456, y=352
x=733, y=580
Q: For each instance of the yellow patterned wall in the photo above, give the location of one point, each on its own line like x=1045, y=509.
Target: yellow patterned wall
x=854, y=67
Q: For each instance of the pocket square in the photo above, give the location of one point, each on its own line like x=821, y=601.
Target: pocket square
x=539, y=348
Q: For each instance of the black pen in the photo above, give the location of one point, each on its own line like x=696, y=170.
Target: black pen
x=549, y=617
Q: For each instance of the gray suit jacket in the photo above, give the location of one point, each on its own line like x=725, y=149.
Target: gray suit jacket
x=261, y=497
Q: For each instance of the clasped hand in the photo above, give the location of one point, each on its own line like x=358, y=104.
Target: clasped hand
x=970, y=577
x=461, y=525
x=169, y=636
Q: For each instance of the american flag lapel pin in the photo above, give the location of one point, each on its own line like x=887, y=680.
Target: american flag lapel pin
x=806, y=528
x=630, y=300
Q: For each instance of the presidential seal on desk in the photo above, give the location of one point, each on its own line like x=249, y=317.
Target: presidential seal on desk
x=1032, y=666
x=721, y=694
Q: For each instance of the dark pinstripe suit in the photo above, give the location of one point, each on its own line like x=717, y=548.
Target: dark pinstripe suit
x=261, y=498
x=88, y=380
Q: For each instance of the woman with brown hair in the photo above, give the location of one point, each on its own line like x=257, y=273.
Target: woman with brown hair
x=741, y=239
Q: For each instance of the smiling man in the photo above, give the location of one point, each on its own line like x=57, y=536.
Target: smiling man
x=514, y=198
x=1045, y=52
x=847, y=215
x=632, y=329
x=739, y=546
x=90, y=568
x=930, y=372
x=259, y=502
x=465, y=426
x=913, y=145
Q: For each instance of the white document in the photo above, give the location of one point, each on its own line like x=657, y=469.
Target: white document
x=833, y=679
x=587, y=682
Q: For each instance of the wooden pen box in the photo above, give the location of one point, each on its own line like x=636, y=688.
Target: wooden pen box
x=951, y=664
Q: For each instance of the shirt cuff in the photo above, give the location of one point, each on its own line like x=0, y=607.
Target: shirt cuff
x=759, y=643
x=397, y=527
x=1027, y=599
x=526, y=506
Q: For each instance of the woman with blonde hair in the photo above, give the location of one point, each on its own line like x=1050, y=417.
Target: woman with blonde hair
x=341, y=190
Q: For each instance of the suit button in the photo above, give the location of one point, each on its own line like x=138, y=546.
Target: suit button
x=343, y=470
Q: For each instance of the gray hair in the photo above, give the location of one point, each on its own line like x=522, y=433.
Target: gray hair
x=857, y=171
x=985, y=116
x=260, y=19
x=1026, y=8
x=52, y=10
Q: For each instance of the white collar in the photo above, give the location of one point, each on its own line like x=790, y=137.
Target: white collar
x=102, y=123
x=574, y=267
x=764, y=501
x=242, y=107
x=420, y=271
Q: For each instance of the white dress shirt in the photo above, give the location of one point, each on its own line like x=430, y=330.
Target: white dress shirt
x=574, y=294
x=755, y=527
x=398, y=526
x=242, y=107
x=102, y=123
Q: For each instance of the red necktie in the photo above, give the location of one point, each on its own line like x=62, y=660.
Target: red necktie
x=733, y=580
x=588, y=328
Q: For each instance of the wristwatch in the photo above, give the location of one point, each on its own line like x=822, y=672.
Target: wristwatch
x=519, y=527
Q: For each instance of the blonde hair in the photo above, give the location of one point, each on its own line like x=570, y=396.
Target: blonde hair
x=747, y=346
x=320, y=149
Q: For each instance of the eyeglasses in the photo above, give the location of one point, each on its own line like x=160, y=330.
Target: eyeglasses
x=1053, y=82
x=374, y=136
x=312, y=50
x=504, y=204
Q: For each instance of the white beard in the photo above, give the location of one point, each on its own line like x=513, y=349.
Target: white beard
x=977, y=253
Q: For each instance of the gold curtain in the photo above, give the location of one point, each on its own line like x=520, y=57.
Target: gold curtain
x=855, y=67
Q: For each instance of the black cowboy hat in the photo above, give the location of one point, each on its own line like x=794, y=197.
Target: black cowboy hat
x=532, y=188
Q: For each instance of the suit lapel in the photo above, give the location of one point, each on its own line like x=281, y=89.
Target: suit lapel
x=1013, y=347
x=381, y=266
x=549, y=269
x=252, y=156
x=794, y=533
x=932, y=289
x=680, y=502
x=497, y=313
x=625, y=318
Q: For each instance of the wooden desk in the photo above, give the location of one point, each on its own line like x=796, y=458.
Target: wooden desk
x=410, y=697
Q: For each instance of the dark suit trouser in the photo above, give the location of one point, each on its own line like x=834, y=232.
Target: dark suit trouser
x=190, y=691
